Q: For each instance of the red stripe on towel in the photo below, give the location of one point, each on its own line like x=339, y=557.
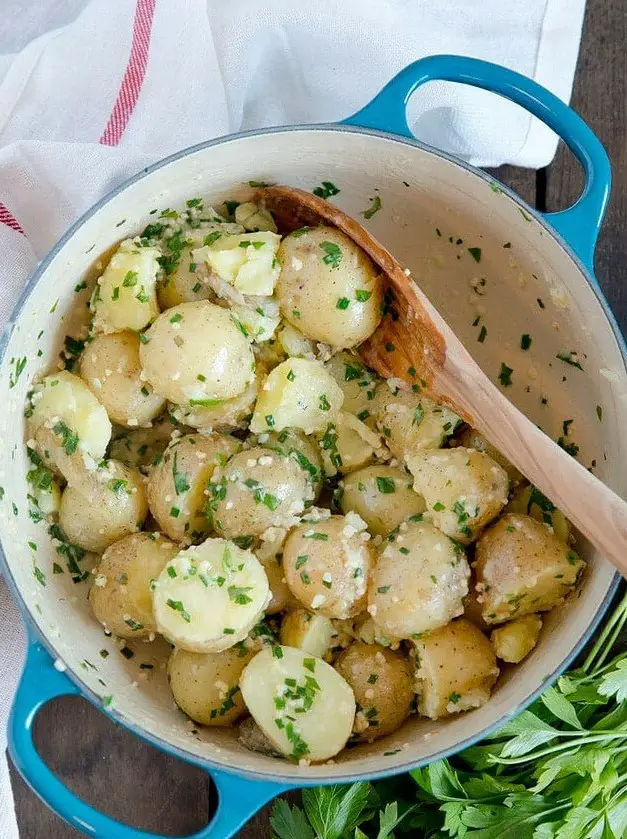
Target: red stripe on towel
x=133, y=75
x=7, y=217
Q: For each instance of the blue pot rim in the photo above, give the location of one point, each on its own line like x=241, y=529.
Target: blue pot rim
x=163, y=744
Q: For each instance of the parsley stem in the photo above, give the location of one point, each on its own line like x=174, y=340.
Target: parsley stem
x=603, y=647
x=561, y=747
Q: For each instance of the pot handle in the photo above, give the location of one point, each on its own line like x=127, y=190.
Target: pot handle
x=239, y=798
x=578, y=225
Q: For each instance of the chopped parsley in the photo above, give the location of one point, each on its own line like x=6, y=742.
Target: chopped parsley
x=69, y=438
x=333, y=254
x=482, y=334
x=362, y=295
x=327, y=190
x=567, y=358
x=525, y=342
x=475, y=253
x=386, y=485
x=342, y=303
x=177, y=606
x=374, y=207
x=505, y=375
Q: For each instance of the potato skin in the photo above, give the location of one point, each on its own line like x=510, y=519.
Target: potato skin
x=205, y=685
x=292, y=442
x=514, y=640
x=257, y=489
x=269, y=552
x=521, y=568
x=120, y=596
x=333, y=578
x=110, y=367
x=383, y=684
x=313, y=286
x=368, y=492
x=195, y=340
x=194, y=458
x=471, y=439
x=106, y=513
x=455, y=669
x=463, y=489
x=418, y=583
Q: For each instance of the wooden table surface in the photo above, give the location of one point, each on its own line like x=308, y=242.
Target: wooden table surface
x=142, y=786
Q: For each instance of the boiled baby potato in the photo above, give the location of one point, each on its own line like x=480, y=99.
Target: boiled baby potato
x=329, y=288
x=252, y=217
x=205, y=685
x=530, y=501
x=120, y=596
x=383, y=496
x=300, y=703
x=363, y=628
x=455, y=669
x=257, y=489
x=418, y=582
x=311, y=633
x=473, y=608
x=383, y=685
x=410, y=422
x=110, y=505
x=269, y=552
x=209, y=597
x=260, y=318
x=298, y=393
x=126, y=294
x=522, y=567
x=144, y=447
x=185, y=283
x=177, y=486
x=64, y=405
x=515, y=640
x=348, y=444
x=358, y=385
x=463, y=489
x=247, y=261
x=471, y=439
x=328, y=565
x=195, y=354
x=294, y=443
x=110, y=366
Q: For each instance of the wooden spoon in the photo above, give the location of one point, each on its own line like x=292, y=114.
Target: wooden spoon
x=413, y=336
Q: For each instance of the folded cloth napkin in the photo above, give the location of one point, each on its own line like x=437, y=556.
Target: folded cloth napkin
x=99, y=89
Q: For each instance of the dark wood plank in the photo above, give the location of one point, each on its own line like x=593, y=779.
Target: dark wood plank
x=600, y=96
x=115, y=771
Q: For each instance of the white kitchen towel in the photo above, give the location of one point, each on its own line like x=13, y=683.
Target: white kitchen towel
x=92, y=91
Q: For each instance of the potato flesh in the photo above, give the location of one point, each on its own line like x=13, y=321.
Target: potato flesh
x=120, y=596
x=328, y=565
x=111, y=505
x=295, y=343
x=313, y=634
x=455, y=669
x=383, y=496
x=195, y=354
x=418, y=583
x=522, y=567
x=328, y=287
x=246, y=261
x=353, y=442
x=323, y=715
x=63, y=401
x=463, y=489
x=252, y=217
x=257, y=489
x=409, y=422
x=260, y=321
x=205, y=685
x=110, y=367
x=210, y=596
x=383, y=685
x=143, y=447
x=298, y=393
x=127, y=290
x=177, y=485
x=223, y=416
x=514, y=640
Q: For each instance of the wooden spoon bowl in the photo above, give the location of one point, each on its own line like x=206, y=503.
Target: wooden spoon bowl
x=414, y=343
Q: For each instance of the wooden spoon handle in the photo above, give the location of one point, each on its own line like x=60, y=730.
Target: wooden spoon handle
x=596, y=510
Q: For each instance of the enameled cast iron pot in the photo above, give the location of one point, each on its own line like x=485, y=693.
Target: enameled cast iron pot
x=535, y=277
